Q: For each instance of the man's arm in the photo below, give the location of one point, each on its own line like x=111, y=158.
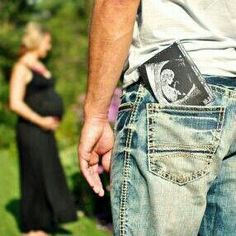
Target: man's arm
x=110, y=38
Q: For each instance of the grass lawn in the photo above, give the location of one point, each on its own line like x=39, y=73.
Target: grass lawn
x=9, y=198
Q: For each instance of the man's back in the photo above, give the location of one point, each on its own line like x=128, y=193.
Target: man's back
x=205, y=27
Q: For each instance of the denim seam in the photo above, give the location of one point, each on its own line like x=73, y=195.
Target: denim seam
x=186, y=155
x=219, y=89
x=182, y=180
x=167, y=145
x=126, y=166
x=155, y=107
x=216, y=137
x=232, y=96
x=224, y=91
x=195, y=117
x=125, y=106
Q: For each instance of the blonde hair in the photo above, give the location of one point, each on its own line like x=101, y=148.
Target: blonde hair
x=33, y=35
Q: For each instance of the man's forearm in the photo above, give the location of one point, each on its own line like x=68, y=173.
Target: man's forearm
x=110, y=38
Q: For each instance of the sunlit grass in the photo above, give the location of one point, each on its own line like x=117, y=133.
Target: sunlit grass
x=9, y=197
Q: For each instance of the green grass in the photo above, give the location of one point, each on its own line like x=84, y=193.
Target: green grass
x=9, y=196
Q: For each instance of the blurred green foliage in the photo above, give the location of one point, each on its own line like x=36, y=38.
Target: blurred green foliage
x=68, y=23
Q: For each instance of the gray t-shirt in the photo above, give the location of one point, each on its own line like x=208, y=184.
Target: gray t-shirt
x=207, y=29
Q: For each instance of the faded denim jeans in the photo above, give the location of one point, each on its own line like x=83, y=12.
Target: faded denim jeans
x=174, y=166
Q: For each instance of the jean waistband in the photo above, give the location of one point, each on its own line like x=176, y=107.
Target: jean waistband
x=223, y=84
x=221, y=80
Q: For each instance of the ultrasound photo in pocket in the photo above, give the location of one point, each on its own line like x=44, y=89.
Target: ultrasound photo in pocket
x=167, y=80
x=174, y=78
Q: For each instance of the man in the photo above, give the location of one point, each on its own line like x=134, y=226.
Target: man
x=173, y=168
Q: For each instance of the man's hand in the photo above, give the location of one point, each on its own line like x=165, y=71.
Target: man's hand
x=96, y=142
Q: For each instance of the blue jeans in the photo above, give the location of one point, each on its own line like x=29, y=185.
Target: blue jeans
x=174, y=166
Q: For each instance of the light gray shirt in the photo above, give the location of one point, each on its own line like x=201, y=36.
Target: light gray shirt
x=207, y=29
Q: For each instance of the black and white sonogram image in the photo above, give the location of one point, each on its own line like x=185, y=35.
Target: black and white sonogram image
x=175, y=79
x=168, y=83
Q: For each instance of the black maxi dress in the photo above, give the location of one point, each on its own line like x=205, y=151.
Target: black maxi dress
x=45, y=198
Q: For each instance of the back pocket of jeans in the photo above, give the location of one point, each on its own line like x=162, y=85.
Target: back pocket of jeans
x=182, y=140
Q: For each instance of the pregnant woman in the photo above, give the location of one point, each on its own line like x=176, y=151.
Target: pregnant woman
x=45, y=198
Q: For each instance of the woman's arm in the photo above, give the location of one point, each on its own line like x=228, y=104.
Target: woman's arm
x=19, y=79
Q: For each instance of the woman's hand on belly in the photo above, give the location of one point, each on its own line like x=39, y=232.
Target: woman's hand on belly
x=49, y=123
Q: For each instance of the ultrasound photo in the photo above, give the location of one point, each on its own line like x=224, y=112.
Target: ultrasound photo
x=175, y=79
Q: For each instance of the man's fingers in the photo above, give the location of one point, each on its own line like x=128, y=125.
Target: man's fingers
x=84, y=167
x=91, y=175
x=96, y=140
x=97, y=182
x=106, y=161
x=94, y=159
x=88, y=166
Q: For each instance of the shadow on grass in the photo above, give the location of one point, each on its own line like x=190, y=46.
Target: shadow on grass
x=86, y=201
x=13, y=207
x=90, y=203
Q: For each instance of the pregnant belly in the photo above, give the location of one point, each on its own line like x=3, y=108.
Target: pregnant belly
x=47, y=104
x=53, y=106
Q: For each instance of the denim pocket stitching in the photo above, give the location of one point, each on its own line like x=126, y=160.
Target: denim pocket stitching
x=184, y=178
x=154, y=107
x=207, y=147
x=195, y=174
x=225, y=91
x=216, y=138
